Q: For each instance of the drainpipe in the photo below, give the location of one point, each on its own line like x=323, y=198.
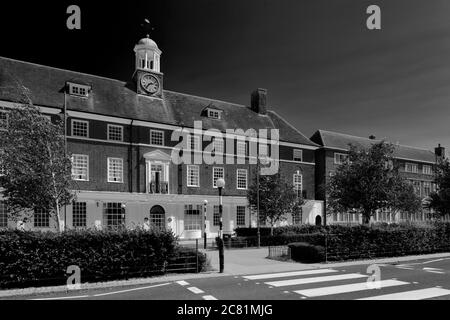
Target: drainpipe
x=65, y=147
x=130, y=157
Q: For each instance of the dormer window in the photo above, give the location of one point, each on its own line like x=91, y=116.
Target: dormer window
x=79, y=90
x=214, y=114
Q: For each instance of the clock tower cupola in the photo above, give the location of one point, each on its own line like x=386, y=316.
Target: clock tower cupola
x=148, y=77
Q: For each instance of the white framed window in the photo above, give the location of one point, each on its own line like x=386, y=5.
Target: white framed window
x=3, y=119
x=3, y=215
x=194, y=143
x=80, y=167
x=2, y=167
x=80, y=128
x=114, y=215
x=218, y=173
x=416, y=185
x=214, y=114
x=426, y=169
x=411, y=167
x=426, y=188
x=218, y=145
x=298, y=183
x=115, y=132
x=241, y=179
x=156, y=137
x=193, y=176
x=115, y=170
x=240, y=216
x=41, y=218
x=241, y=149
x=79, y=90
x=216, y=216
x=340, y=158
x=192, y=217
x=298, y=155
x=79, y=214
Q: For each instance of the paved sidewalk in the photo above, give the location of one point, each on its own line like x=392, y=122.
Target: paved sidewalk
x=254, y=261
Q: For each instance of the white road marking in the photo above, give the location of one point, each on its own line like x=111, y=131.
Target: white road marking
x=293, y=282
x=195, y=290
x=432, y=269
x=289, y=274
x=325, y=291
x=438, y=272
x=209, y=298
x=129, y=290
x=412, y=295
x=183, y=283
x=405, y=268
x=62, y=298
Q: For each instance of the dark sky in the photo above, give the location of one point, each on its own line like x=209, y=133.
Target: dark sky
x=322, y=67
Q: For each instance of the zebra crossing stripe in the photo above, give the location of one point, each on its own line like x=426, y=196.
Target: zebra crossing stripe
x=293, y=282
x=354, y=287
x=412, y=295
x=288, y=274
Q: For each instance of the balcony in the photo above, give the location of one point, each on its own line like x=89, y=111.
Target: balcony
x=158, y=188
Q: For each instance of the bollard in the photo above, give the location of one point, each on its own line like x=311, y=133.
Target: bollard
x=221, y=254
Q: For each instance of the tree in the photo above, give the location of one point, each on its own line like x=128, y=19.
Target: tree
x=439, y=200
x=369, y=181
x=277, y=198
x=37, y=171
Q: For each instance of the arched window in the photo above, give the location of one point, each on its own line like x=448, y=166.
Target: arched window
x=158, y=218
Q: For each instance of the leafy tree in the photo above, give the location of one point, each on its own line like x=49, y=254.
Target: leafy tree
x=439, y=201
x=37, y=171
x=369, y=181
x=277, y=198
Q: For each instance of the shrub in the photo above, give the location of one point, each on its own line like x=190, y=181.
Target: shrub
x=40, y=259
x=306, y=252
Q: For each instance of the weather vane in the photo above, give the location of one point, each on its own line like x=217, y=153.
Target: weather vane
x=146, y=26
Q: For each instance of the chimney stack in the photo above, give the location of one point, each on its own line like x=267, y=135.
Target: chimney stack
x=439, y=152
x=259, y=101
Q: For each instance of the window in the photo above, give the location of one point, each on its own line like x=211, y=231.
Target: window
x=41, y=218
x=241, y=149
x=412, y=168
x=218, y=173
x=426, y=189
x=240, y=216
x=194, y=143
x=115, y=170
x=298, y=155
x=156, y=137
x=427, y=169
x=297, y=181
x=263, y=150
x=416, y=185
x=115, y=133
x=79, y=214
x=216, y=216
x=114, y=215
x=241, y=179
x=218, y=145
x=296, y=218
x=3, y=119
x=80, y=167
x=192, y=217
x=193, y=176
x=2, y=168
x=340, y=158
x=78, y=90
x=3, y=215
x=214, y=114
x=80, y=128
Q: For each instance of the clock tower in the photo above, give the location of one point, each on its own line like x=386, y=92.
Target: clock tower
x=148, y=78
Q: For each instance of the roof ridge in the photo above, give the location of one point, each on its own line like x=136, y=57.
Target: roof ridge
x=205, y=98
x=395, y=144
x=60, y=69
x=290, y=125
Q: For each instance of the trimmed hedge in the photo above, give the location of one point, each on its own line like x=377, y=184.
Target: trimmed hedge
x=280, y=240
x=307, y=253
x=41, y=259
x=278, y=231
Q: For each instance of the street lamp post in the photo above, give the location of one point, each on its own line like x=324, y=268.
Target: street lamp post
x=220, y=185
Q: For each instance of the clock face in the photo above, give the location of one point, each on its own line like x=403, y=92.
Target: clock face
x=150, y=83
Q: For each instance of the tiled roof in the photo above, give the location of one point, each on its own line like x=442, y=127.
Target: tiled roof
x=119, y=99
x=341, y=141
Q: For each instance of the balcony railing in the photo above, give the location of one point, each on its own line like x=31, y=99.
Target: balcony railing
x=158, y=188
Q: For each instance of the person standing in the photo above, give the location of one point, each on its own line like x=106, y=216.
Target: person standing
x=146, y=226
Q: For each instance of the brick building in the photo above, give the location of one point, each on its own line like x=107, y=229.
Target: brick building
x=121, y=137
x=416, y=165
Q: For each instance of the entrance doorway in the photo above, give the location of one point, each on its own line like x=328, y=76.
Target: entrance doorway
x=158, y=218
x=318, y=221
